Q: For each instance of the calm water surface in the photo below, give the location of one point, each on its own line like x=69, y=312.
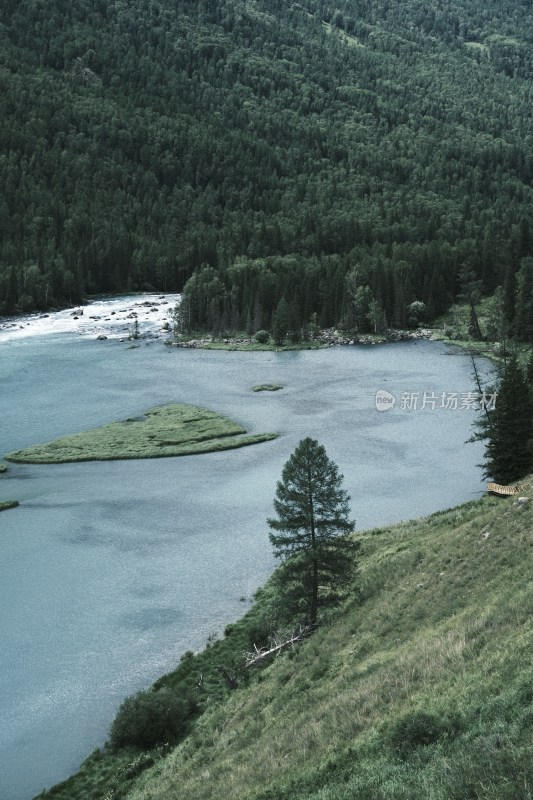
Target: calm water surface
x=110, y=571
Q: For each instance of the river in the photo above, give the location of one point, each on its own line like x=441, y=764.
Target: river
x=111, y=570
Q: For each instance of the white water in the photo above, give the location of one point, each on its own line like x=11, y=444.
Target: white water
x=113, y=318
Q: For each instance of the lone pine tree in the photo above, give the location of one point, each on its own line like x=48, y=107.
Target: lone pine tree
x=313, y=513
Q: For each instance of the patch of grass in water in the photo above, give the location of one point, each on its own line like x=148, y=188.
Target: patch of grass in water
x=267, y=387
x=6, y=504
x=171, y=430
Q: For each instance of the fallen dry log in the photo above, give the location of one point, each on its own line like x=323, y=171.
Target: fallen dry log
x=277, y=645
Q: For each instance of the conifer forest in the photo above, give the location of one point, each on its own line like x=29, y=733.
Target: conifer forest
x=349, y=158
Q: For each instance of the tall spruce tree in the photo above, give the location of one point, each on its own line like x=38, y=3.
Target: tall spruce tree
x=471, y=294
x=507, y=429
x=281, y=320
x=524, y=301
x=313, y=510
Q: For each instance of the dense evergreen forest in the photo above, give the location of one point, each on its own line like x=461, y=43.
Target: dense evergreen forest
x=327, y=161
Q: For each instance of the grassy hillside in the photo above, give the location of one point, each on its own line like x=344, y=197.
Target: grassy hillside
x=421, y=686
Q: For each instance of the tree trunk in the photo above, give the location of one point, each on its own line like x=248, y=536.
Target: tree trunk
x=313, y=608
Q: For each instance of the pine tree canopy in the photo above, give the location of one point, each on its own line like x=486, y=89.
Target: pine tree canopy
x=508, y=455
x=313, y=513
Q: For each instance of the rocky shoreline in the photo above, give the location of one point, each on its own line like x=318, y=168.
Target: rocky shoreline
x=149, y=317
x=329, y=337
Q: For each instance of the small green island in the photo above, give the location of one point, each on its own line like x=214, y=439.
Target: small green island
x=7, y=504
x=169, y=430
x=267, y=387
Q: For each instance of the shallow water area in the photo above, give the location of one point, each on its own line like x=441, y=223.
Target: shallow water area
x=111, y=570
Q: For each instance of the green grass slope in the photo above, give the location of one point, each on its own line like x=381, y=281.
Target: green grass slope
x=420, y=686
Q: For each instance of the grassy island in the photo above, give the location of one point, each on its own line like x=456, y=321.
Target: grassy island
x=267, y=387
x=171, y=430
x=6, y=504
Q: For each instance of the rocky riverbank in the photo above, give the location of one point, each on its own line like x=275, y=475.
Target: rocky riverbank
x=150, y=317
x=330, y=337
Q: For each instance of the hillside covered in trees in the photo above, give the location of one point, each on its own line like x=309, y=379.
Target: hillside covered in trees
x=347, y=158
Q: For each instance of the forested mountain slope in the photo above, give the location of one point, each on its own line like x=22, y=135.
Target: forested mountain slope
x=142, y=140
